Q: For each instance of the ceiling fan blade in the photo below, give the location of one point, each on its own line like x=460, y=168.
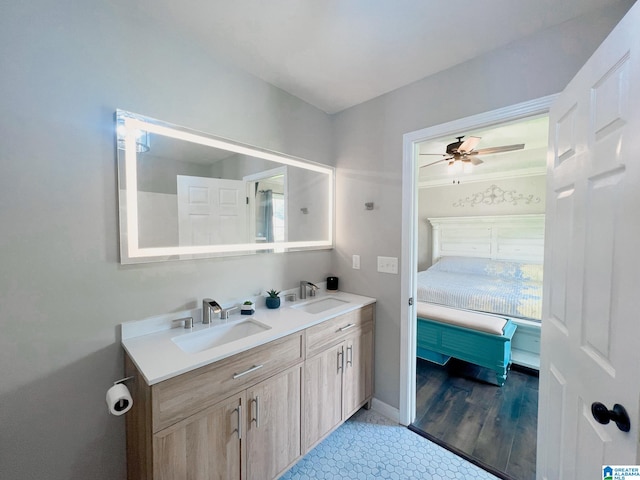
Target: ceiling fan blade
x=506, y=148
x=469, y=144
x=439, y=154
x=435, y=163
x=475, y=160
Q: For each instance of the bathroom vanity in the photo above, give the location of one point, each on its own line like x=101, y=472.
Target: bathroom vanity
x=259, y=404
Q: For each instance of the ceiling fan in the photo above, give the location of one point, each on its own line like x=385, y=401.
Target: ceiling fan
x=461, y=155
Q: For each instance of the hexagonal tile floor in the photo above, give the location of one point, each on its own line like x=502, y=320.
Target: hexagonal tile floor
x=371, y=446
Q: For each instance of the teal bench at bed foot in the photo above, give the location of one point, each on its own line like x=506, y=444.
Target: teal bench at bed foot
x=437, y=340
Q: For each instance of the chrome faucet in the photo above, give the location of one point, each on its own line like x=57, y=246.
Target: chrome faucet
x=303, y=289
x=225, y=312
x=209, y=307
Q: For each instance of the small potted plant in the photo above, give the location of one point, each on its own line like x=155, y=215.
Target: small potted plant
x=273, y=300
x=247, y=308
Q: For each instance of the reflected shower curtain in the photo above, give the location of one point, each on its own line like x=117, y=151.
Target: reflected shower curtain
x=265, y=215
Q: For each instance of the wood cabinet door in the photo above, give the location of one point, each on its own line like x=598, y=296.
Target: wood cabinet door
x=274, y=425
x=358, y=371
x=323, y=394
x=205, y=446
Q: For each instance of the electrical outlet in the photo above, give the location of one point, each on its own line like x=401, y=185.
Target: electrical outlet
x=388, y=265
x=356, y=262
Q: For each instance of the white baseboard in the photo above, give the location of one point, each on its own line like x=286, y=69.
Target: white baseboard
x=385, y=409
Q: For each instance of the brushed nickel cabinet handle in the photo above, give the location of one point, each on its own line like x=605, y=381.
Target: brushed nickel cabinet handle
x=239, y=410
x=347, y=327
x=257, y=415
x=340, y=359
x=350, y=355
x=252, y=369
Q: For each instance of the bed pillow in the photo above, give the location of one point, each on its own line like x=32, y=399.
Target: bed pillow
x=485, y=266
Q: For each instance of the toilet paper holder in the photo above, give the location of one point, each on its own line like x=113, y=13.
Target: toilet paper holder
x=119, y=399
x=122, y=380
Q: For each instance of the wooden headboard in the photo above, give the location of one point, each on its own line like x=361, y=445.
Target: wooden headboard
x=499, y=237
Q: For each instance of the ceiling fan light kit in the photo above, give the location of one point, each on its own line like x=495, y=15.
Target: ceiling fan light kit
x=459, y=166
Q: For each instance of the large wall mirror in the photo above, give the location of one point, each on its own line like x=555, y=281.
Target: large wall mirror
x=186, y=194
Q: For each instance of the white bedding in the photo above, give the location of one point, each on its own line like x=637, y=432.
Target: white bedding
x=506, y=288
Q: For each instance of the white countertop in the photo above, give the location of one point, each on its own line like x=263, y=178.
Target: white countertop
x=150, y=343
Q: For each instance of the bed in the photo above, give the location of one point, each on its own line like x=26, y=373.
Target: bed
x=511, y=289
x=490, y=267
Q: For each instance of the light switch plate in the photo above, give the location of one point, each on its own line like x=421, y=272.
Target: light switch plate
x=388, y=265
x=356, y=262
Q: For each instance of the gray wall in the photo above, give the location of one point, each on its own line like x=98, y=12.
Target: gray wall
x=368, y=142
x=66, y=67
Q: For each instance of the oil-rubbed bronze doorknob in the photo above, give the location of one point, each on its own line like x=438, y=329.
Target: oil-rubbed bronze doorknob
x=619, y=415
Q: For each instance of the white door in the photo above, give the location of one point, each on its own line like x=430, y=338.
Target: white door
x=211, y=211
x=591, y=329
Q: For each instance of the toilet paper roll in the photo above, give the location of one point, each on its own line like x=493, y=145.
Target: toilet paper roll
x=119, y=399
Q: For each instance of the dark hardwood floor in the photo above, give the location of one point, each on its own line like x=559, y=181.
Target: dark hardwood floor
x=495, y=427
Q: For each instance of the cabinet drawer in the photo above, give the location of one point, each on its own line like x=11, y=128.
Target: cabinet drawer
x=324, y=335
x=182, y=396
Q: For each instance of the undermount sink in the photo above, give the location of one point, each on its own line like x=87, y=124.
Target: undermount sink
x=320, y=305
x=219, y=335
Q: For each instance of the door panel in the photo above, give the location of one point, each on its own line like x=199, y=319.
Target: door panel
x=591, y=439
x=562, y=200
x=274, y=425
x=211, y=211
x=205, y=446
x=556, y=386
x=323, y=393
x=601, y=213
x=590, y=320
x=358, y=382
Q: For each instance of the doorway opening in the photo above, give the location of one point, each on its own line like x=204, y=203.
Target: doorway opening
x=267, y=205
x=434, y=194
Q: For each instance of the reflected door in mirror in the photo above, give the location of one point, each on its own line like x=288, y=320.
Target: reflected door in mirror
x=211, y=211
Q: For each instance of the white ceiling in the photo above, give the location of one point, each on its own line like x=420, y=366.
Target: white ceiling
x=338, y=53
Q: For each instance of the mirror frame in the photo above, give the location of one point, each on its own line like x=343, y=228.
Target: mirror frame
x=127, y=124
